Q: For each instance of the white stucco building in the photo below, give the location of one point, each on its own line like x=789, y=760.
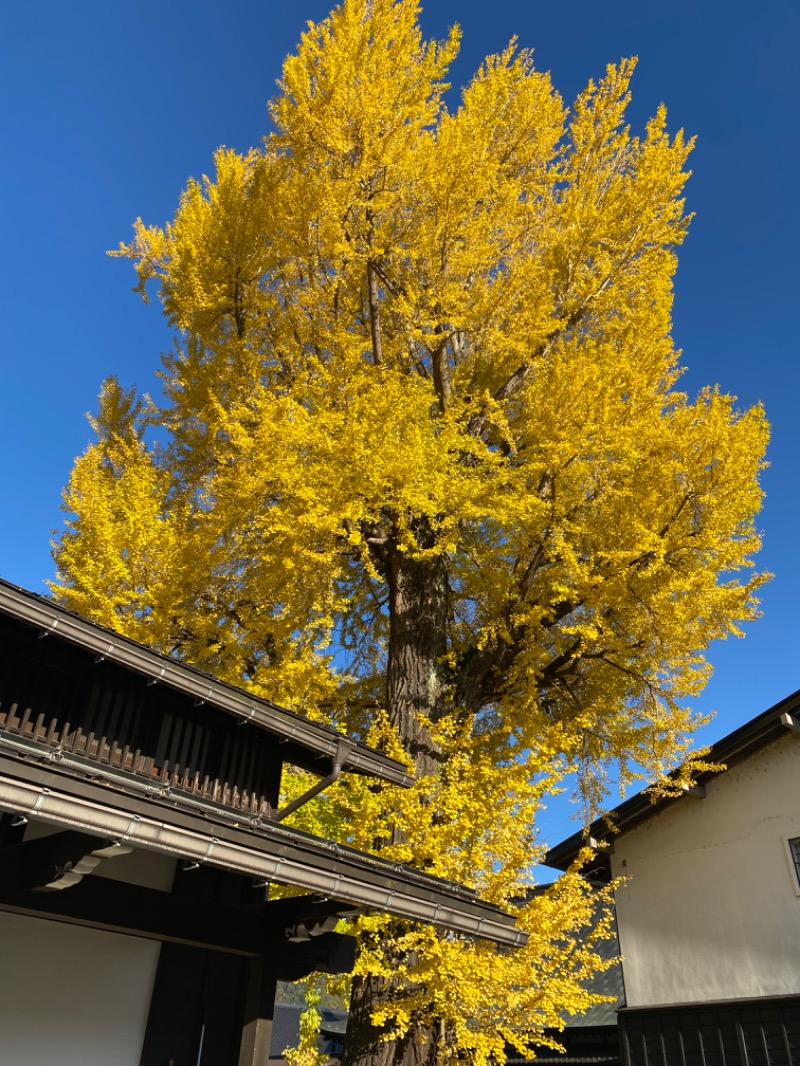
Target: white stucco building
x=709, y=909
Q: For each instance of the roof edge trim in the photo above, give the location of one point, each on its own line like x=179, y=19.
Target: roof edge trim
x=51, y=618
x=60, y=808
x=780, y=720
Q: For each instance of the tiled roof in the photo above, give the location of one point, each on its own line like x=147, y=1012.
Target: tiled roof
x=605, y=983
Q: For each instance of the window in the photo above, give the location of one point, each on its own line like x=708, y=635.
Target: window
x=793, y=852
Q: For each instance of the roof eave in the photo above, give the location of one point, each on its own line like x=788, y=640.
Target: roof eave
x=272, y=853
x=52, y=619
x=731, y=749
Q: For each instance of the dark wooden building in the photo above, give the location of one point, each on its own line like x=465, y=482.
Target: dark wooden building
x=140, y=831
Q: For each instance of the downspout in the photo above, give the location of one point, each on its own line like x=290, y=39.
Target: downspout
x=343, y=749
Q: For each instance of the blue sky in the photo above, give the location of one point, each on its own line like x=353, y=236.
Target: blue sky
x=107, y=109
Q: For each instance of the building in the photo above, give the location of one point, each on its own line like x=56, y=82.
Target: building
x=709, y=911
x=140, y=829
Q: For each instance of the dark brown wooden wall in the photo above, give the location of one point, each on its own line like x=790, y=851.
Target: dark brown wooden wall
x=764, y=1032
x=61, y=696
x=197, y=1007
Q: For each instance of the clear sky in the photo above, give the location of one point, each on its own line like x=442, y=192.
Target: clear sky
x=108, y=108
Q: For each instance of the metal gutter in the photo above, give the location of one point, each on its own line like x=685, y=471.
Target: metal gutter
x=778, y=721
x=292, y=858
x=104, y=643
x=22, y=759
x=57, y=764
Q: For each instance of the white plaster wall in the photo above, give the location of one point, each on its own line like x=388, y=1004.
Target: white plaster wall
x=710, y=911
x=78, y=997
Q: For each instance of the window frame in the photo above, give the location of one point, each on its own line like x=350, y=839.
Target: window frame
x=792, y=846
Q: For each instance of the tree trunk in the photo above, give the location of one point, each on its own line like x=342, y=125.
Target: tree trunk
x=415, y=687
x=415, y=672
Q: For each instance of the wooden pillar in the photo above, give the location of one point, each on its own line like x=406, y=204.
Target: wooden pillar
x=258, y=1011
x=196, y=1010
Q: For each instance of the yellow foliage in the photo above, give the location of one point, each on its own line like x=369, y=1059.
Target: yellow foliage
x=428, y=474
x=307, y=1052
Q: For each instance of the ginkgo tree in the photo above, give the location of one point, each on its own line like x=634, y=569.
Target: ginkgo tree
x=426, y=473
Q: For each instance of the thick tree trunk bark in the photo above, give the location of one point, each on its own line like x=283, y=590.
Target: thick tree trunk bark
x=415, y=675
x=415, y=690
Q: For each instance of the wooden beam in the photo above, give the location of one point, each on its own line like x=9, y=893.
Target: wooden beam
x=258, y=1011
x=57, y=861
x=604, y=847
x=698, y=791
x=303, y=917
x=132, y=910
x=118, y=907
x=330, y=953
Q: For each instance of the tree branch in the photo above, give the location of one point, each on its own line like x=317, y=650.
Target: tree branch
x=373, y=301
